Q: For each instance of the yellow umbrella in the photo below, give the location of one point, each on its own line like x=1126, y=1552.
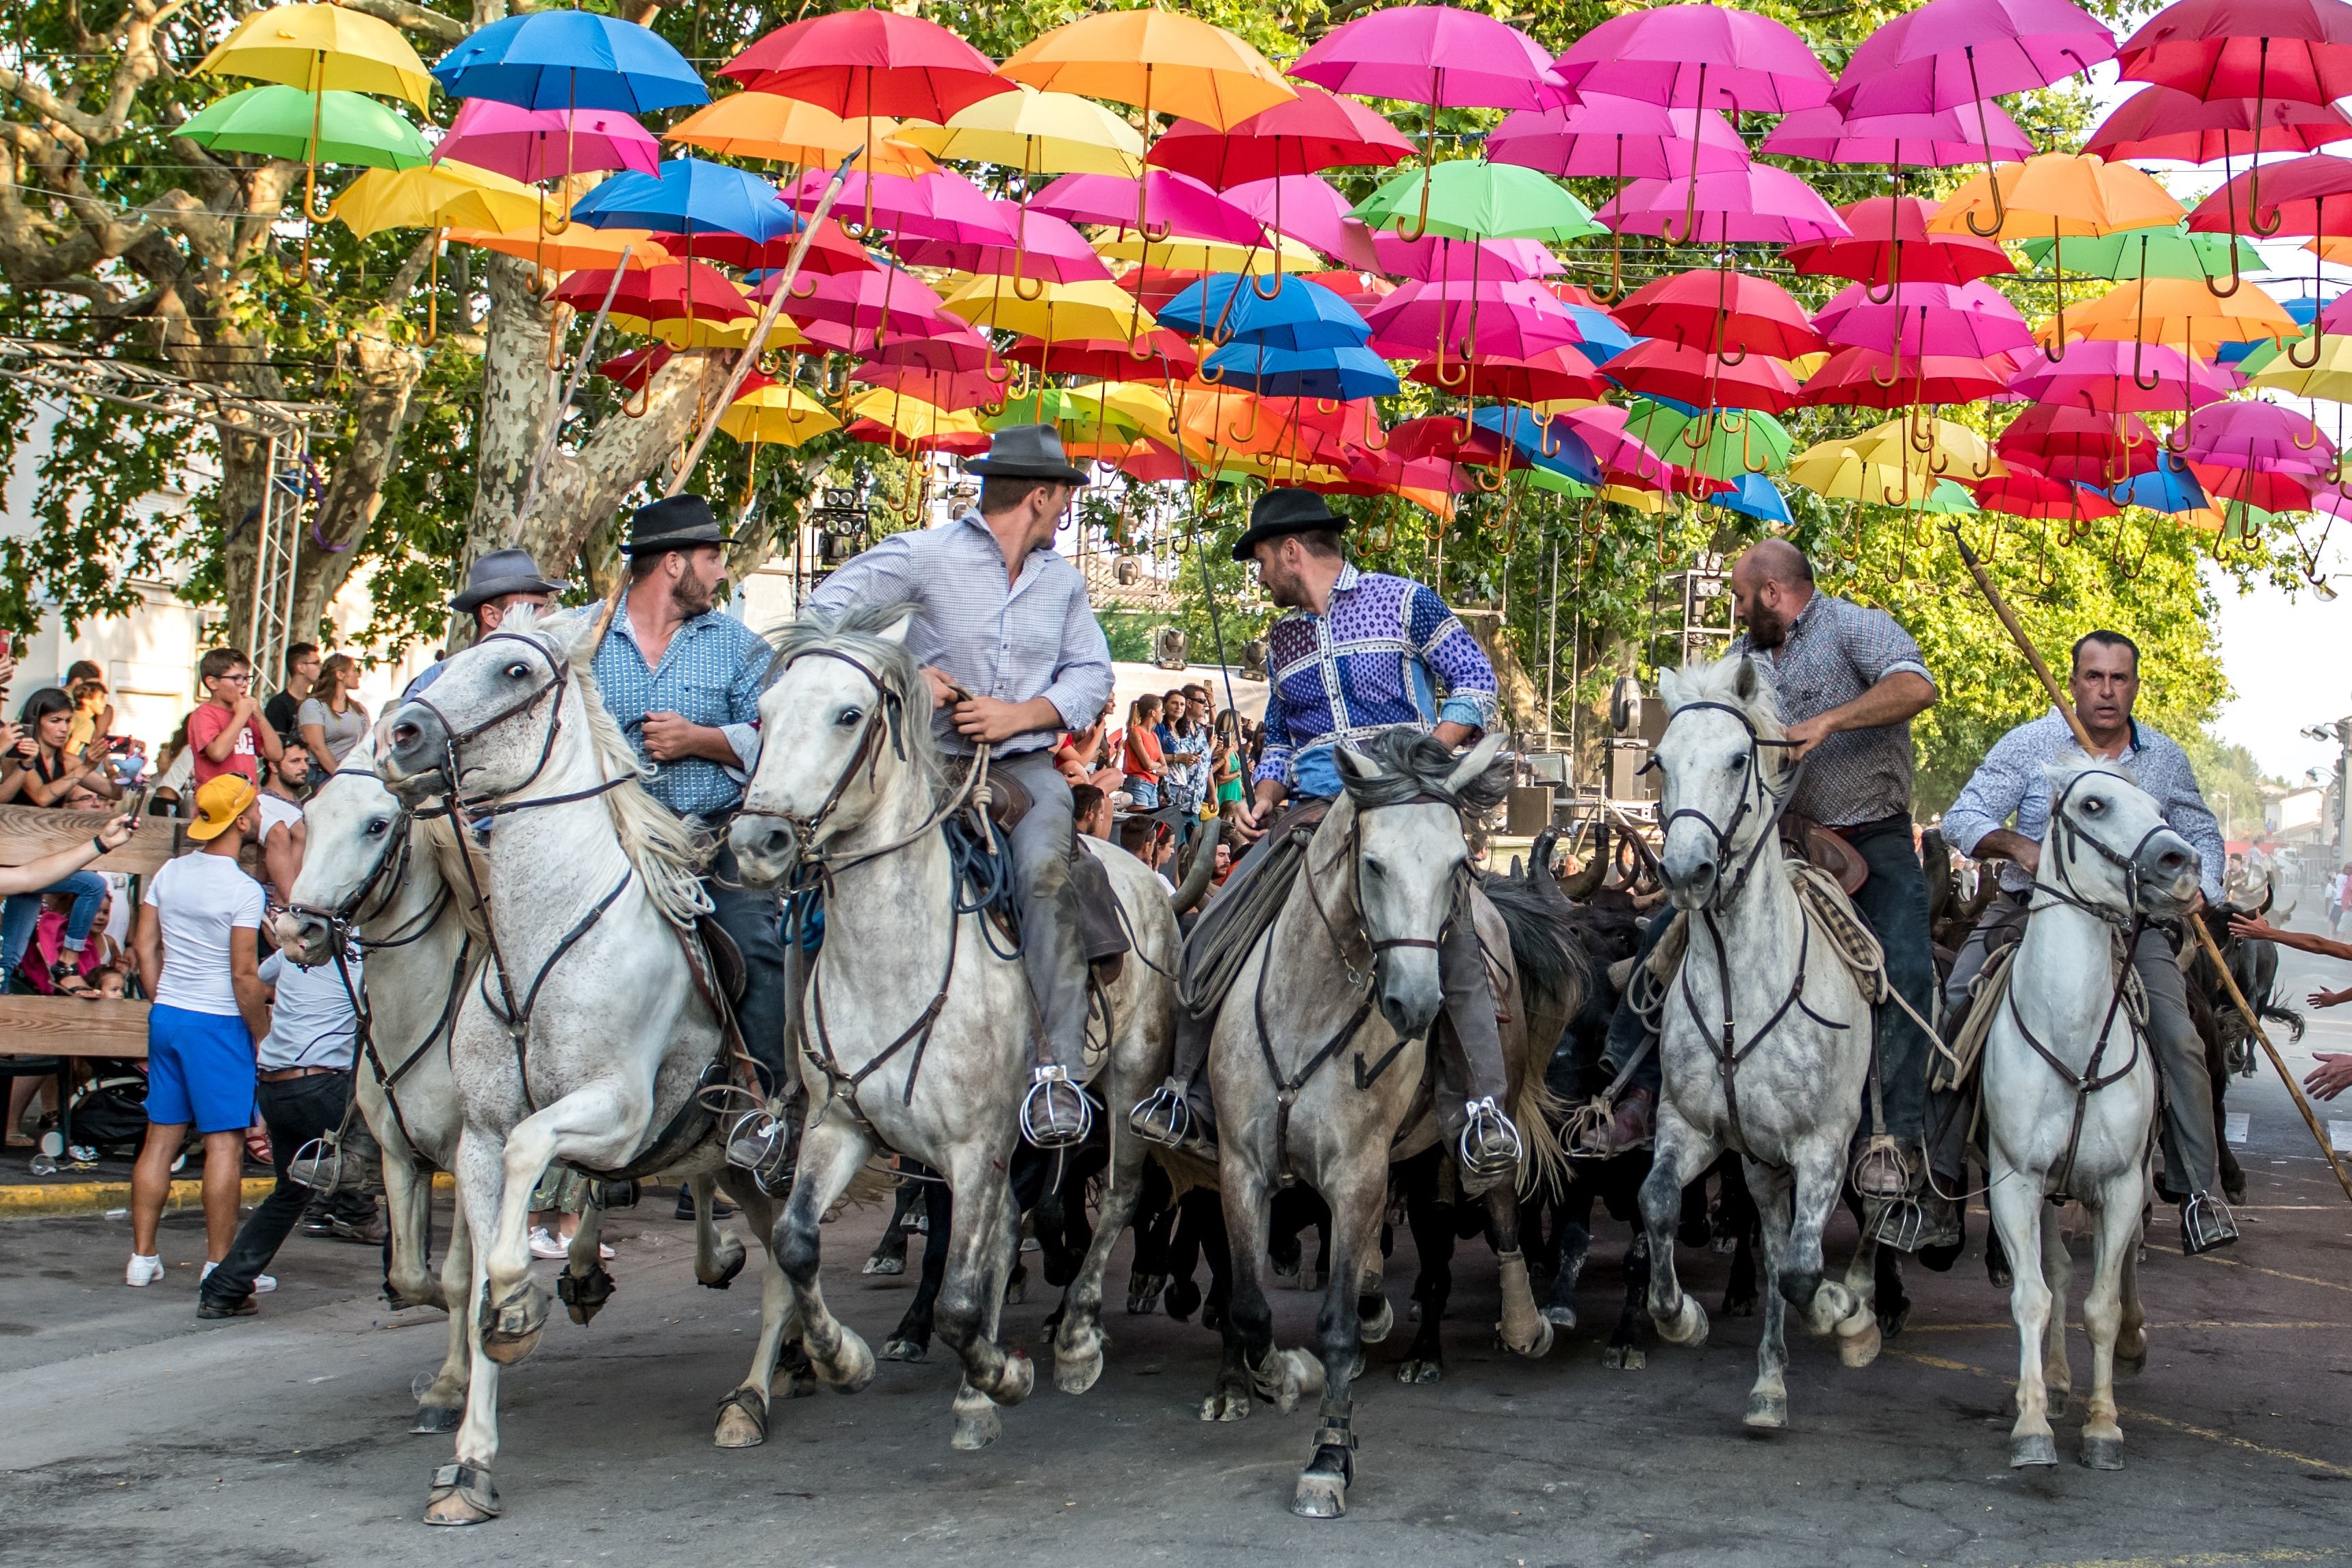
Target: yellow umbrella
x=448, y=194
x=1649, y=503
x=320, y=47
x=1837, y=470
x=701, y=332
x=1062, y=312
x=2328, y=377
x=1144, y=404
x=1939, y=448
x=781, y=413
x=1155, y=59
x=1211, y=256
x=761, y=125
x=579, y=246
x=1037, y=133
x=909, y=418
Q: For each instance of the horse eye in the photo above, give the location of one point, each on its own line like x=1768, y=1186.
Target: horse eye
x=377, y=828
x=848, y=716
x=2093, y=805
x=517, y=669
x=1372, y=865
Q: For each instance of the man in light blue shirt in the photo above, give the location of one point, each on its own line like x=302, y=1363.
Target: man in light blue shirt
x=2012, y=786
x=1003, y=629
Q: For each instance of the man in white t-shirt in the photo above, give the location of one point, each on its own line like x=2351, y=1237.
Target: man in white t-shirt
x=197, y=942
x=281, y=820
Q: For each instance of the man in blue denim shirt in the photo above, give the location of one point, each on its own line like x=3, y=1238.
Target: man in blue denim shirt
x=683, y=680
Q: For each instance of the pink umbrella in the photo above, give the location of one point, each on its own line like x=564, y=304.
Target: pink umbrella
x=1759, y=203
x=1620, y=454
x=2100, y=375
x=1606, y=137
x=1512, y=320
x=1933, y=141
x=1703, y=55
x=538, y=144
x=860, y=300
x=1434, y=55
x=963, y=350
x=2259, y=436
x=952, y=390
x=1966, y=320
x=941, y=204
x=1307, y=208
x=1052, y=251
x=1431, y=258
x=1170, y=205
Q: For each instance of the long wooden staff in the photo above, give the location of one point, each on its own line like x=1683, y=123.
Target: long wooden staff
x=743, y=363
x=2204, y=937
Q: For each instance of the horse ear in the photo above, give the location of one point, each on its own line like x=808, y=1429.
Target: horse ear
x=1355, y=764
x=897, y=630
x=1467, y=771
x=1746, y=684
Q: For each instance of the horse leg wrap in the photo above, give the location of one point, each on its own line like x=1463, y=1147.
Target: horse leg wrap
x=469, y=1487
x=742, y=1419
x=1335, y=1424
x=584, y=1295
x=1524, y=1331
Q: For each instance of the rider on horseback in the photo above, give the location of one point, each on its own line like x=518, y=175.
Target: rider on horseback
x=1849, y=680
x=2013, y=783
x=1003, y=629
x=1357, y=656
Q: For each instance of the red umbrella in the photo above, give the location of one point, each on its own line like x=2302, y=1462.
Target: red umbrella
x=1314, y=130
x=1107, y=359
x=1657, y=368
x=830, y=250
x=1873, y=378
x=2022, y=493
x=2079, y=446
x=1547, y=376
x=966, y=350
x=869, y=62
x=1432, y=436
x=1155, y=286
x=1889, y=242
x=636, y=370
x=1463, y=320
x=2312, y=194
x=659, y=293
x=2260, y=488
x=2164, y=123
x=1722, y=312
x=1706, y=57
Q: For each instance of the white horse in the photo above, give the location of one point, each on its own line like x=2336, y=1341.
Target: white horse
x=372, y=870
x=590, y=1037
x=2070, y=1094
x=1766, y=1039
x=920, y=1034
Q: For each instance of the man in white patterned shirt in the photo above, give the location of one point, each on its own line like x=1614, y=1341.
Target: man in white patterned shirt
x=1003, y=629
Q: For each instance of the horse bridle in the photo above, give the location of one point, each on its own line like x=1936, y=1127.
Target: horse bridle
x=1752, y=788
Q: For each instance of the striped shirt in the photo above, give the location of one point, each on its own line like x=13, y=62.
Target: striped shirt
x=712, y=674
x=1832, y=652
x=2011, y=787
x=1036, y=637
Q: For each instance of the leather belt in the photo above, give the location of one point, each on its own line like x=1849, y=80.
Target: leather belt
x=281, y=1074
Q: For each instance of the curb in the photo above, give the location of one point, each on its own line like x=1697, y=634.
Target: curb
x=52, y=1200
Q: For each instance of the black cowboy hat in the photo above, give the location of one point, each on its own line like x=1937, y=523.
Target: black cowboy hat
x=674, y=522
x=1026, y=452
x=499, y=573
x=1282, y=512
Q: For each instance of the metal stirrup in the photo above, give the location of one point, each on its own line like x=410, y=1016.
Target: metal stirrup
x=1166, y=1105
x=1484, y=1112
x=1045, y=1122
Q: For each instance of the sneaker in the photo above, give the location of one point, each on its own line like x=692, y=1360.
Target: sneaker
x=543, y=1243
x=145, y=1269
x=262, y=1283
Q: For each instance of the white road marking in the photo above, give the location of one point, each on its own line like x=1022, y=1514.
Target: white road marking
x=2234, y=1126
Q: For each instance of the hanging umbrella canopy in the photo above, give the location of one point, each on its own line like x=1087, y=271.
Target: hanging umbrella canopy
x=941, y=204
x=2178, y=310
x=1937, y=139
x=688, y=195
x=2169, y=488
x=1702, y=56
x=1555, y=375
x=1438, y=55
x=1951, y=52
x=781, y=413
x=1314, y=130
x=1108, y=358
x=1080, y=411
x=2306, y=195
x=1223, y=307
x=2022, y=493
x=633, y=370
x=331, y=127
x=2079, y=445
x=1185, y=259
x=1435, y=258
x=1622, y=458
x=1876, y=378
x=315, y=47
x=1657, y=368
x=1511, y=320
x=1965, y=321
x=2056, y=194
x=576, y=247
x=879, y=300
x=1157, y=60
x=953, y=391
x=2300, y=50
x=830, y=250
x=538, y=144
x=869, y=62
x=1887, y=239
x=1836, y=470
x=2259, y=436
x=2171, y=251
x=657, y=293
x=1037, y=133
x=1307, y=208
x=570, y=60
x=1720, y=443
x=909, y=424
x=1344, y=372
x=2164, y=123
x=2113, y=377
x=946, y=352
x=1169, y=205
x=1473, y=199
x=1607, y=137
x=1511, y=438
x=1089, y=310
x=2328, y=377
x=2261, y=490
x=787, y=130
x=1942, y=446
x=434, y=195
x=1756, y=202
x=1722, y=312
x=1049, y=248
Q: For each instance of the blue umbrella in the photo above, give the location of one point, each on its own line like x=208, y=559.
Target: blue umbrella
x=1756, y=497
x=1345, y=372
x=1301, y=314
x=1604, y=339
x=2171, y=488
x=1570, y=458
x=571, y=60
x=689, y=195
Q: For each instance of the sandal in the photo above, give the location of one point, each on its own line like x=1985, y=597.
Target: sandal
x=65, y=979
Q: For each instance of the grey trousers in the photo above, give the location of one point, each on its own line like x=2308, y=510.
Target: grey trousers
x=752, y=916
x=1050, y=948
x=2192, y=1158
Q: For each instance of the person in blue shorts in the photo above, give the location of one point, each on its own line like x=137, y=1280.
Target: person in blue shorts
x=197, y=945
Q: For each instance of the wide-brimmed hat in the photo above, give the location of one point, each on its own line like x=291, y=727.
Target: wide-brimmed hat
x=500, y=574
x=1026, y=452
x=1284, y=511
x=224, y=798
x=674, y=522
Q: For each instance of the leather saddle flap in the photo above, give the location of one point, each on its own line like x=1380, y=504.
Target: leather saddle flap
x=1812, y=842
x=726, y=959
x=1101, y=932
x=1008, y=799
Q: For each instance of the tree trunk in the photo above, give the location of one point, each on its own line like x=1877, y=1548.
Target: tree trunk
x=1521, y=703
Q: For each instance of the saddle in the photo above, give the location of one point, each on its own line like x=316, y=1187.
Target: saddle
x=726, y=958
x=1808, y=841
x=1102, y=928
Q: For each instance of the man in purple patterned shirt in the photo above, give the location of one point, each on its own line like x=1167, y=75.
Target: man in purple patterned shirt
x=1360, y=652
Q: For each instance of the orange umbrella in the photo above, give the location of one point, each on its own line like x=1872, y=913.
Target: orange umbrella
x=761, y=125
x=2057, y=194
x=1157, y=60
x=569, y=252
x=2181, y=310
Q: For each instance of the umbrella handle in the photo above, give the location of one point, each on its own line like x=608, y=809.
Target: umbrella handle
x=2145, y=384
x=2115, y=556
x=1372, y=423
x=1326, y=406
x=1497, y=468
x=2302, y=445
x=997, y=370
x=557, y=323
x=1894, y=278
x=1276, y=235
x=2318, y=344
x=1428, y=151
x=1032, y=294
x=1549, y=441
x=1993, y=176
x=1237, y=437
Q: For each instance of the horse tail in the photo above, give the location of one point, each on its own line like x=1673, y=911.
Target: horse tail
x=2285, y=1015
x=1555, y=973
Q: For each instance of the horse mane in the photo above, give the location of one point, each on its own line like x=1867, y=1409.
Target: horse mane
x=860, y=633
x=1412, y=764
x=440, y=837
x=1547, y=939
x=668, y=855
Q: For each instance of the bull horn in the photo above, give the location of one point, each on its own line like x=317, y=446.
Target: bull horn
x=1204, y=864
x=1587, y=881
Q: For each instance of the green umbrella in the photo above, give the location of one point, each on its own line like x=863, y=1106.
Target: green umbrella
x=1722, y=443
x=1470, y=198
x=1080, y=407
x=329, y=127
x=2167, y=251
x=1948, y=499
x=1561, y=484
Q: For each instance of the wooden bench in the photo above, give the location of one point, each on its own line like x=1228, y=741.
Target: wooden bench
x=42, y=1037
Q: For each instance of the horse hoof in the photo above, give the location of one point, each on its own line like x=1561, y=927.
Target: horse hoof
x=732, y=1266
x=976, y=1428
x=1625, y=1357
x=2102, y=1453
x=1686, y=1327
x=1076, y=1369
x=1535, y=1348
x=2034, y=1449
x=852, y=1367
x=1560, y=1317
x=1891, y=1321
x=2131, y=1354
x=1739, y=1306
x=432, y=1419
x=1321, y=1494
x=1310, y=1278
x=877, y=1264
x=743, y=1420
x=510, y=1330
x=1767, y=1412
x=1371, y=1328
x=1859, y=1349
x=584, y=1295
x=1016, y=1382
x=2054, y=1404
x=798, y=1378
x=1420, y=1369
x=1225, y=1404
x=904, y=1350
x=1143, y=1291
x=462, y=1494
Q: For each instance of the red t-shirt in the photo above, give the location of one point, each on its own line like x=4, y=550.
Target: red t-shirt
x=205, y=725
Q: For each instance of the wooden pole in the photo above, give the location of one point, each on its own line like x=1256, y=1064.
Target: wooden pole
x=2195, y=924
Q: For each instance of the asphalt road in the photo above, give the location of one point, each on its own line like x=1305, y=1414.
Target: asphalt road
x=134, y=1435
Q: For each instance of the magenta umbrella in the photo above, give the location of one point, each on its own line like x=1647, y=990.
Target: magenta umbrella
x=1170, y=205
x=941, y=204
x=2114, y=377
x=1931, y=141
x=1434, y=55
x=960, y=349
x=1506, y=321
x=1703, y=55
x=1054, y=251
x=1309, y=209
x=537, y=145
x=952, y=390
x=2258, y=436
x=1602, y=428
x=1757, y=203
x=859, y=301
x=1431, y=258
x=1964, y=320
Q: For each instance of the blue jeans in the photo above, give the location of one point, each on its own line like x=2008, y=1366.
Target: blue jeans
x=23, y=912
